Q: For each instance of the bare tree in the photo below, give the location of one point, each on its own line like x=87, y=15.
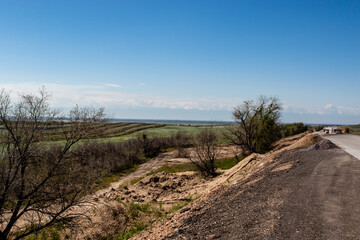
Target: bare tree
x=206, y=152
x=181, y=142
x=39, y=181
x=257, y=125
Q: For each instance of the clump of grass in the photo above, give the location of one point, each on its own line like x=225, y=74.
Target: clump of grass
x=136, y=180
x=136, y=208
x=167, y=150
x=133, y=169
x=137, y=227
x=106, y=181
x=185, y=167
x=52, y=233
x=227, y=163
x=181, y=205
x=178, y=206
x=141, y=216
x=132, y=182
x=120, y=201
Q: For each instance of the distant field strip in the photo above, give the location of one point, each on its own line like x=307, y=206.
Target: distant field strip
x=122, y=131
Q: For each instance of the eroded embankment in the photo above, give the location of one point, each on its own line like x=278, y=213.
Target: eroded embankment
x=306, y=193
x=235, y=195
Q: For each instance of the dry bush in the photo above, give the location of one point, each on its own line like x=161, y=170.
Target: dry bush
x=150, y=145
x=101, y=159
x=181, y=142
x=206, y=151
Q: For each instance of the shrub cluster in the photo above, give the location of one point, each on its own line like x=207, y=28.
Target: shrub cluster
x=99, y=159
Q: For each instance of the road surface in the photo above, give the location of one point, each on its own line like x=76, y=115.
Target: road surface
x=348, y=142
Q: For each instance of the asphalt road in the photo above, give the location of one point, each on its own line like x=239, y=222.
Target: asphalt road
x=348, y=142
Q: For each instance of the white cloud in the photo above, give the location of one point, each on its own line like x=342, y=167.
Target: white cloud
x=66, y=96
x=328, y=106
x=328, y=109
x=69, y=95
x=112, y=85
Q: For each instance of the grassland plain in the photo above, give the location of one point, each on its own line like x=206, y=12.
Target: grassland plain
x=160, y=130
x=123, y=131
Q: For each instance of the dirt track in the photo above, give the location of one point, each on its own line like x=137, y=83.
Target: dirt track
x=302, y=194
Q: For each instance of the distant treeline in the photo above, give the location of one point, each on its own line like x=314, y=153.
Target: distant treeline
x=292, y=129
x=165, y=121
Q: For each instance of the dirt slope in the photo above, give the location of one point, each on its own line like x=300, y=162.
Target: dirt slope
x=308, y=193
x=249, y=200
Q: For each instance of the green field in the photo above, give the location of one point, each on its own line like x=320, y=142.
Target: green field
x=123, y=131
x=160, y=130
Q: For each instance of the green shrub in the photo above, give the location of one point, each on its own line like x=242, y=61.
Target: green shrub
x=257, y=125
x=288, y=130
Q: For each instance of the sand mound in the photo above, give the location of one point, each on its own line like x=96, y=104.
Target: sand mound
x=306, y=141
x=323, y=145
x=282, y=143
x=242, y=169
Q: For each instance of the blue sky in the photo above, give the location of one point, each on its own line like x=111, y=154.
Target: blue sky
x=193, y=60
